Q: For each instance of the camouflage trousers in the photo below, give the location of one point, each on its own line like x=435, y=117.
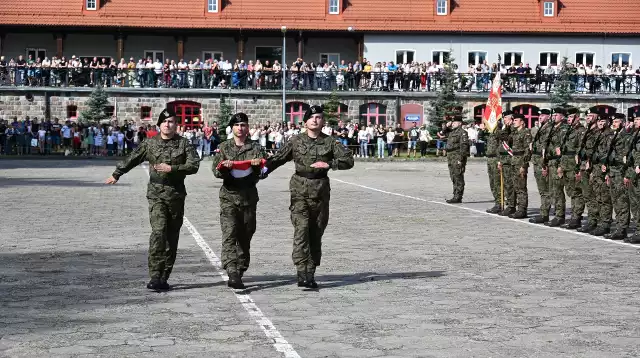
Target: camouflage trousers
x=619, y=198
x=457, y=165
x=509, y=190
x=543, y=185
x=238, y=224
x=602, y=196
x=634, y=200
x=558, y=197
x=519, y=183
x=590, y=199
x=309, y=218
x=166, y=220
x=494, y=179
x=572, y=187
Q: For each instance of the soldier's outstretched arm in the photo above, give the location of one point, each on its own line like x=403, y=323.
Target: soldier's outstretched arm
x=282, y=156
x=134, y=159
x=342, y=157
x=191, y=165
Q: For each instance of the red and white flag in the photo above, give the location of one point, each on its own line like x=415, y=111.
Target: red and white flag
x=493, y=111
x=241, y=168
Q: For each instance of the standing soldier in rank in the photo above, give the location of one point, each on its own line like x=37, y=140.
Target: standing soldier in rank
x=504, y=164
x=457, y=154
x=554, y=152
x=571, y=167
x=520, y=140
x=633, y=174
x=314, y=154
x=171, y=158
x=538, y=144
x=599, y=187
x=238, y=163
x=584, y=158
x=492, y=168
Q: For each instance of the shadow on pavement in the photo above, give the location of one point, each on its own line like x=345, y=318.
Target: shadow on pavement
x=7, y=182
x=61, y=163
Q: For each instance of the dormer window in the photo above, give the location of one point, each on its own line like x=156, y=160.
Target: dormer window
x=92, y=4
x=549, y=8
x=212, y=5
x=334, y=7
x=442, y=7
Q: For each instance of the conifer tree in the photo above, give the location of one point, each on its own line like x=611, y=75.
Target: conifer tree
x=446, y=103
x=96, y=104
x=331, y=107
x=224, y=115
x=560, y=95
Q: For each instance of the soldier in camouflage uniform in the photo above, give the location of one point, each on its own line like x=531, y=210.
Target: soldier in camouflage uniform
x=633, y=175
x=492, y=168
x=238, y=196
x=314, y=154
x=555, y=170
x=520, y=140
x=584, y=158
x=616, y=169
x=457, y=154
x=571, y=168
x=504, y=164
x=171, y=158
x=539, y=142
x=599, y=187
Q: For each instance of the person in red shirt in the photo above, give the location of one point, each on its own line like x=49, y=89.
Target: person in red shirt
x=151, y=132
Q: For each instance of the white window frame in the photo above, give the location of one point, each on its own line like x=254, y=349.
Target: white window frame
x=36, y=50
x=154, y=57
x=477, y=61
x=549, y=59
x=328, y=54
x=441, y=59
x=213, y=53
x=213, y=6
x=584, y=58
x=620, y=59
x=95, y=5
x=405, y=54
x=334, y=7
x=444, y=9
x=553, y=8
x=512, y=53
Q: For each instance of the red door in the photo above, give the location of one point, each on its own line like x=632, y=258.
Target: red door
x=188, y=114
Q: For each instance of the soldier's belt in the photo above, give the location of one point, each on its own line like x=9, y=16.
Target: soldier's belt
x=519, y=152
x=554, y=157
x=490, y=155
x=310, y=175
x=156, y=180
x=569, y=152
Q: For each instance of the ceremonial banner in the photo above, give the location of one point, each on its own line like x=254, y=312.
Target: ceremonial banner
x=493, y=111
x=241, y=168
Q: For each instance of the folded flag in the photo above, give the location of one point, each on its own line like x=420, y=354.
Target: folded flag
x=242, y=168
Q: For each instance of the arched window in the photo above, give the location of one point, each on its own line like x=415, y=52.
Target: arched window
x=603, y=110
x=631, y=110
x=188, y=114
x=72, y=112
x=373, y=113
x=478, y=112
x=295, y=111
x=530, y=112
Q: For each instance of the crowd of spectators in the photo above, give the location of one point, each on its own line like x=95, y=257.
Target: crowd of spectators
x=303, y=75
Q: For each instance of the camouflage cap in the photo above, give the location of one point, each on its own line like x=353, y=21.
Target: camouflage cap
x=311, y=111
x=166, y=113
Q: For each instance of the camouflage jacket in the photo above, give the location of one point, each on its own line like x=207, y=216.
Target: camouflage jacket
x=311, y=182
x=238, y=191
x=492, y=143
x=504, y=136
x=540, y=139
x=458, y=142
x=571, y=147
x=588, y=143
x=556, y=141
x=520, y=139
x=613, y=149
x=176, y=152
x=634, y=158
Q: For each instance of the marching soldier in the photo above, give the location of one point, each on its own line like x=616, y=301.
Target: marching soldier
x=520, y=139
x=633, y=174
x=457, y=154
x=313, y=153
x=538, y=144
x=237, y=163
x=571, y=168
x=504, y=164
x=615, y=169
x=584, y=158
x=492, y=168
x=171, y=158
x=554, y=151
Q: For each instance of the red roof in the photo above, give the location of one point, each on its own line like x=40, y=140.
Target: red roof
x=519, y=16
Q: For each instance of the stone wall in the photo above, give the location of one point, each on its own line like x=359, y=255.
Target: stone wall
x=259, y=105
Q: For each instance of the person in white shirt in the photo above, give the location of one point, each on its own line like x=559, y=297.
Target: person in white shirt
x=363, y=139
x=66, y=135
x=472, y=133
x=279, y=139
x=228, y=131
x=391, y=135
x=327, y=129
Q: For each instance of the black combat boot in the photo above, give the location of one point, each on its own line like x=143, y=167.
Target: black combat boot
x=494, y=210
x=454, y=200
x=235, y=281
x=302, y=278
x=155, y=284
x=539, y=219
x=311, y=280
x=555, y=222
x=600, y=231
x=573, y=224
x=617, y=235
x=635, y=239
x=588, y=228
x=518, y=215
x=507, y=211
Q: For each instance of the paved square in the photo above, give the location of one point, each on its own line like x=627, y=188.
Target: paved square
x=403, y=274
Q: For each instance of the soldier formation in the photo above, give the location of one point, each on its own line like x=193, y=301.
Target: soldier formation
x=595, y=165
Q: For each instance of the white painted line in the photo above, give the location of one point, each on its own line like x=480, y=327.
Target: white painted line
x=279, y=343
x=490, y=215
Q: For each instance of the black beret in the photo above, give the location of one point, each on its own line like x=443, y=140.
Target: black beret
x=592, y=111
x=636, y=113
x=166, y=113
x=507, y=113
x=572, y=110
x=545, y=111
x=560, y=110
x=457, y=118
x=619, y=116
x=238, y=118
x=311, y=111
x=518, y=116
